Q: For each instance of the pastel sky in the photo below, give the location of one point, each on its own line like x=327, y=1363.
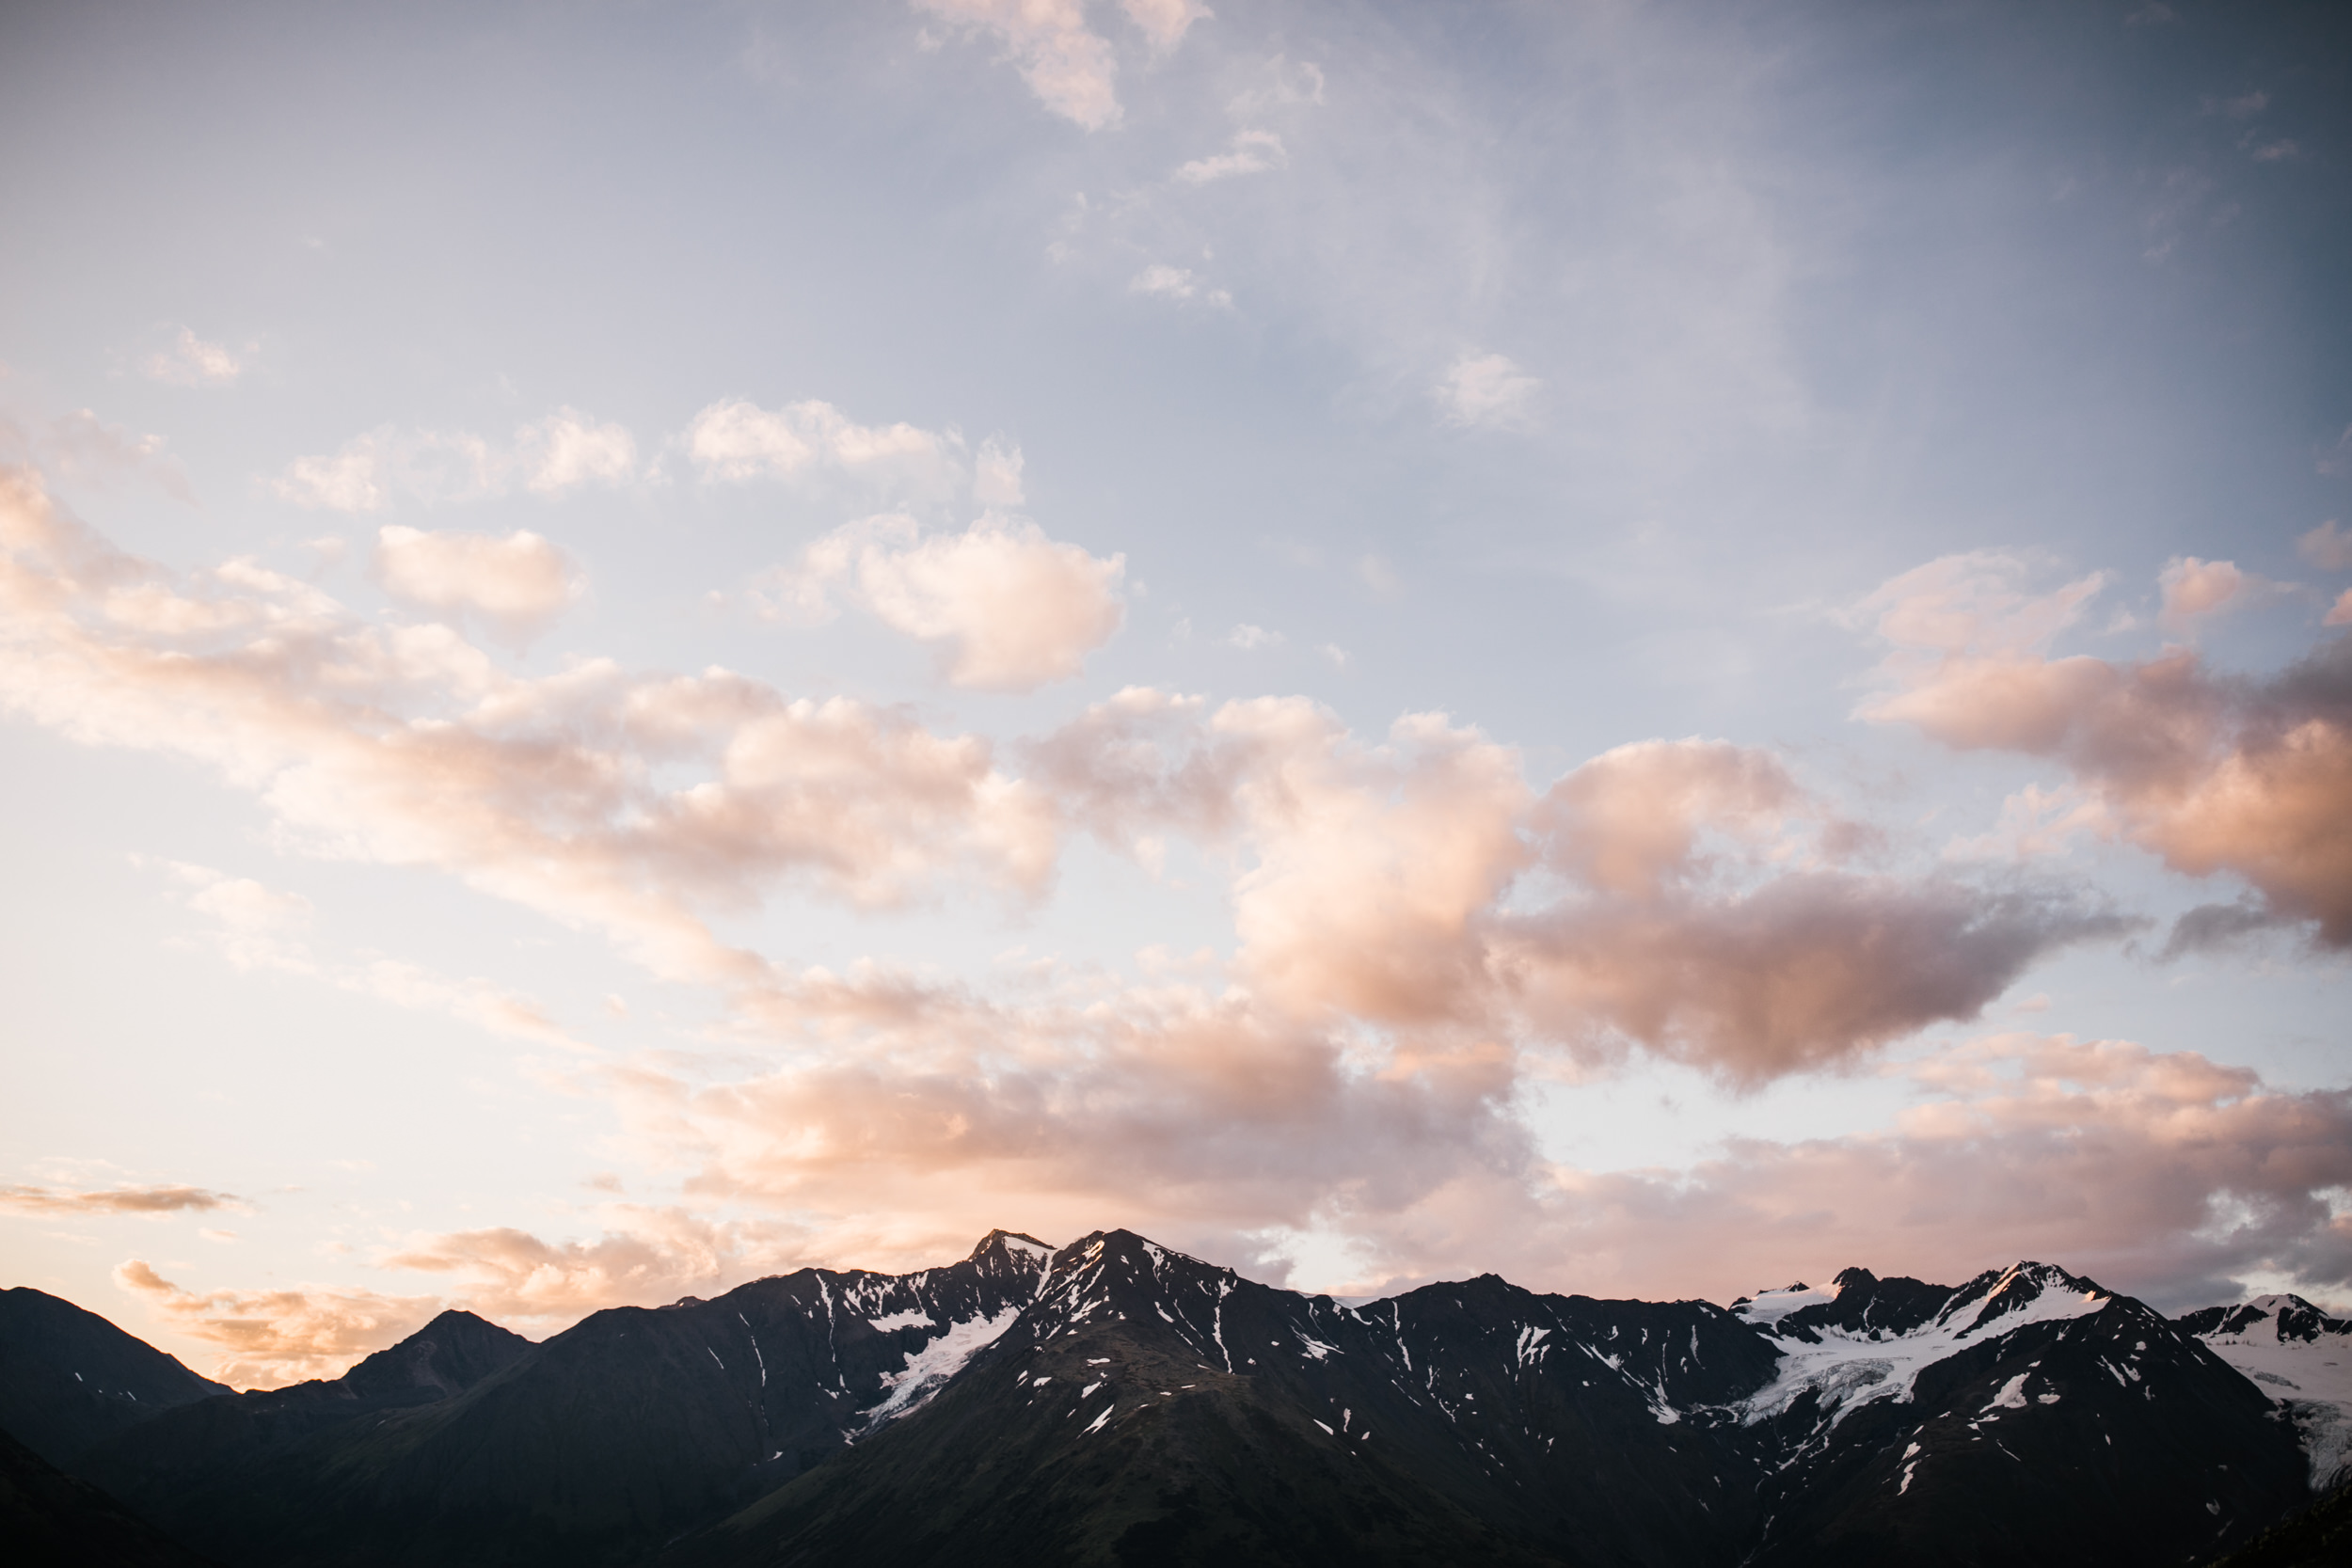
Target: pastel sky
x=1654, y=647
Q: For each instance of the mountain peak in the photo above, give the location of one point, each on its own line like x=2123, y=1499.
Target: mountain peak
x=1011, y=1241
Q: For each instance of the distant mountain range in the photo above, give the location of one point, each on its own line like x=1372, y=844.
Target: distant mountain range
x=1115, y=1402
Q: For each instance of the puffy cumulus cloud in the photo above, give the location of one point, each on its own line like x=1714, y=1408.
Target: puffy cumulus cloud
x=564, y=451
x=733, y=441
x=2194, y=590
x=1808, y=970
x=1630, y=819
x=1007, y=608
x=518, y=584
x=1252, y=152
x=2328, y=547
x=1709, y=917
x=1687, y=897
x=1490, y=389
x=1071, y=68
x=2215, y=774
x=1180, y=1107
x=2340, y=613
x=629, y=804
x=190, y=361
x=123, y=1198
x=269, y=1339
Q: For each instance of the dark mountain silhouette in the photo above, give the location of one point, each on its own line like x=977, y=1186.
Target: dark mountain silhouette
x=1115, y=1402
x=50, y=1520
x=69, y=1379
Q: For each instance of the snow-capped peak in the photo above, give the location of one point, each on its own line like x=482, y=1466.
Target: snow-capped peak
x=1768, y=1307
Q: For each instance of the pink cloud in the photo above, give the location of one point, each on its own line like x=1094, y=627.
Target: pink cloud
x=405, y=745
x=271, y=1337
x=121, y=1200
x=518, y=584
x=2214, y=774
x=1070, y=67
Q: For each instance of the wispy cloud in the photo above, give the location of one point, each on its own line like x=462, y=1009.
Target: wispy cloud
x=191, y=362
x=564, y=451
x=1487, y=390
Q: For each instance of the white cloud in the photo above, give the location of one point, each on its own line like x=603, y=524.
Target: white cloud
x=1252, y=152
x=190, y=361
x=996, y=475
x=567, y=450
x=1485, y=389
x=1249, y=638
x=1168, y=282
x=564, y=451
x=520, y=583
x=354, y=479
x=735, y=440
x=1008, y=608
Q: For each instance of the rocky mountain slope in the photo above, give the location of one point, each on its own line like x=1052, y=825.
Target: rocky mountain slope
x=2299, y=1356
x=69, y=1379
x=1116, y=1402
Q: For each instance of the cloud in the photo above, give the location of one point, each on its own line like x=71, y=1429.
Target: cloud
x=1165, y=22
x=1166, y=282
x=1419, y=933
x=733, y=441
x=2213, y=774
x=566, y=451
x=2195, y=590
x=621, y=803
x=354, y=479
x=644, y=1257
x=271, y=1337
x=1071, y=68
x=260, y=927
x=83, y=448
x=1252, y=152
x=1282, y=85
x=518, y=584
x=193, y=362
x=1810, y=971
x=1249, y=638
x=2340, y=614
x=1008, y=608
x=126, y=1198
x=996, y=475
x=1486, y=389
x=2328, y=547
x=2153, y=1172
x=1685, y=897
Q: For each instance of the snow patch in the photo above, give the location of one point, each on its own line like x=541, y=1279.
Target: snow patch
x=928, y=1370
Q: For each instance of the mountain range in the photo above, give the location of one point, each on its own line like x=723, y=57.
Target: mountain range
x=1116, y=1401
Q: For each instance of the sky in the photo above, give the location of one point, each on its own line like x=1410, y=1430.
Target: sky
x=1658, y=648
